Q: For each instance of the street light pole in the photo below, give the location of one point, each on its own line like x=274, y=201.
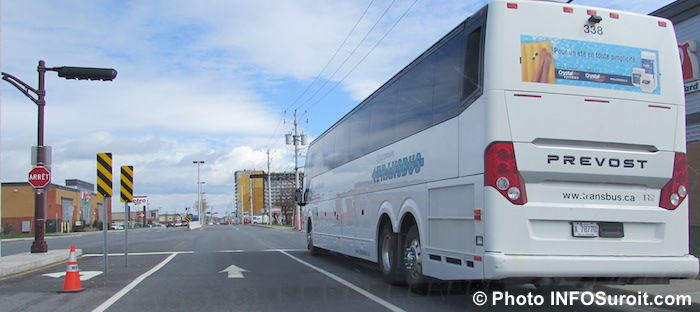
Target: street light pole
x=80, y=73
x=199, y=193
x=39, y=245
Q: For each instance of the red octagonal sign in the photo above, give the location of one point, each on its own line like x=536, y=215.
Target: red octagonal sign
x=39, y=177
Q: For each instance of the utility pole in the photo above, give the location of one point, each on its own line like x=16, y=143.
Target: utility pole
x=250, y=195
x=296, y=140
x=269, y=189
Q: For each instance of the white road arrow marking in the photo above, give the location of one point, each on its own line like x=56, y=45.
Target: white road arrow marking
x=84, y=275
x=234, y=271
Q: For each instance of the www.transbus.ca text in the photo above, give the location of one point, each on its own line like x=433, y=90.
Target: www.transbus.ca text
x=600, y=197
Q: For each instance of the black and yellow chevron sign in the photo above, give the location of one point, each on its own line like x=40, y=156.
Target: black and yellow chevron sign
x=127, y=189
x=104, y=174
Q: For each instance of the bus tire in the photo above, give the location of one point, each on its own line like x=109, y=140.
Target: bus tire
x=315, y=251
x=415, y=279
x=389, y=257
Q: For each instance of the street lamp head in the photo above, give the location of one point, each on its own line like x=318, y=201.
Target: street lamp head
x=85, y=73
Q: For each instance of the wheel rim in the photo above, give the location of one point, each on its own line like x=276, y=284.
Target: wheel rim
x=414, y=264
x=386, y=253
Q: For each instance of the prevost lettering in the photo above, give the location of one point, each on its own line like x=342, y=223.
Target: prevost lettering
x=596, y=161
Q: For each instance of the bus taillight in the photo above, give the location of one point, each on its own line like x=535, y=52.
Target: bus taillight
x=675, y=191
x=501, y=172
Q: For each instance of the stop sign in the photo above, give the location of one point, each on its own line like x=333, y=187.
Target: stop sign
x=39, y=177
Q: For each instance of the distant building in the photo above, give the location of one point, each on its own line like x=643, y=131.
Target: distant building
x=136, y=218
x=70, y=207
x=86, y=193
x=170, y=217
x=282, y=186
x=244, y=198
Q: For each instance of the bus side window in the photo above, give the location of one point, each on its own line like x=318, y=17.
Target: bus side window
x=448, y=71
x=472, y=67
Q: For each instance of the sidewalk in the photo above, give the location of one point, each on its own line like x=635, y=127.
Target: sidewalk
x=15, y=264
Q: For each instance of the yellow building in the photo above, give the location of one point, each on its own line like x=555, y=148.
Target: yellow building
x=244, y=185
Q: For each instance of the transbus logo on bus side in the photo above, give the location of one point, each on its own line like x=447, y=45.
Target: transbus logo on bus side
x=398, y=168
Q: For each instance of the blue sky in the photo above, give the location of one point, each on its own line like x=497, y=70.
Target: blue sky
x=209, y=80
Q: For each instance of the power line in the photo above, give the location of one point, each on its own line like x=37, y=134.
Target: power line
x=274, y=133
x=363, y=58
x=344, y=62
x=350, y=55
x=334, y=55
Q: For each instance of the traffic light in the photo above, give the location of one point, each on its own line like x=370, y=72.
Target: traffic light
x=83, y=73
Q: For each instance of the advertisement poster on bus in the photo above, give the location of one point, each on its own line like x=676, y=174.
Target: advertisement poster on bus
x=589, y=64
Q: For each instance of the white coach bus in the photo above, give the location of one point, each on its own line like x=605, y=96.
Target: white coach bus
x=537, y=141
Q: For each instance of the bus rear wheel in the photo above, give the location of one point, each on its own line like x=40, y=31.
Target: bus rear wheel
x=315, y=251
x=413, y=260
x=389, y=257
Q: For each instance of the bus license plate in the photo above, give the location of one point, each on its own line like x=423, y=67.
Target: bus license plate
x=585, y=229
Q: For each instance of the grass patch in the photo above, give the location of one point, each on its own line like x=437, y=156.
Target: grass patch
x=25, y=235
x=10, y=236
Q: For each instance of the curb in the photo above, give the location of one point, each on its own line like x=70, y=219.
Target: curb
x=274, y=227
x=14, y=264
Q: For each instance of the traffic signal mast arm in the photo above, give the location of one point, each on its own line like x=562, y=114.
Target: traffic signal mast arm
x=68, y=72
x=22, y=86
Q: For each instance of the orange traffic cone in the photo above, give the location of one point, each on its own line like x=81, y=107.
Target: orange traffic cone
x=72, y=281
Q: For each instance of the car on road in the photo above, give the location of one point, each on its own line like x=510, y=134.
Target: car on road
x=117, y=227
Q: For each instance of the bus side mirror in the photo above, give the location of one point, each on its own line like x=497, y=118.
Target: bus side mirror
x=300, y=197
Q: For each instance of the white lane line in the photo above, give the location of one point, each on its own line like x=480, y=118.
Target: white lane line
x=155, y=253
x=104, y=306
x=284, y=250
x=363, y=292
x=264, y=250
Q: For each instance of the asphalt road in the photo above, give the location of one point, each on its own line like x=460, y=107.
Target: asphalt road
x=227, y=268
